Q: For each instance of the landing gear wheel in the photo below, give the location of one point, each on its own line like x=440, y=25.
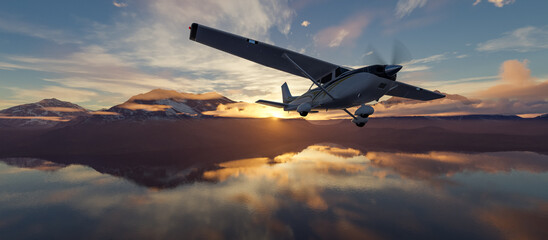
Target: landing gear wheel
x=303, y=114
x=360, y=124
x=364, y=115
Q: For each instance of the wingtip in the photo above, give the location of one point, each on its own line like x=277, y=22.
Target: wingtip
x=193, y=31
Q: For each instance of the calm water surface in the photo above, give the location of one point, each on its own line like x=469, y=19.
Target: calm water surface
x=324, y=191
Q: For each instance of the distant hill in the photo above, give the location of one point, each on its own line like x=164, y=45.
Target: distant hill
x=42, y=114
x=164, y=104
x=544, y=116
x=160, y=103
x=156, y=104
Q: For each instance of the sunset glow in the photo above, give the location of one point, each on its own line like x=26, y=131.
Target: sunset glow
x=109, y=59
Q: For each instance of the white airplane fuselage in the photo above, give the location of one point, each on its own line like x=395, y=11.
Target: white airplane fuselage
x=338, y=87
x=348, y=90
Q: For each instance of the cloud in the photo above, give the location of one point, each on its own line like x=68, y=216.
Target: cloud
x=305, y=23
x=158, y=42
x=119, y=3
x=418, y=64
x=516, y=83
x=516, y=92
x=94, y=69
x=254, y=110
x=138, y=54
x=66, y=94
x=250, y=110
x=241, y=16
x=406, y=7
x=343, y=34
x=497, y=3
x=37, y=31
x=523, y=39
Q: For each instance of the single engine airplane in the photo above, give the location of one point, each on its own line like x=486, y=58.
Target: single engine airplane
x=337, y=87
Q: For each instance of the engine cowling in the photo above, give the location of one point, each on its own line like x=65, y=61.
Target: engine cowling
x=364, y=111
x=304, y=108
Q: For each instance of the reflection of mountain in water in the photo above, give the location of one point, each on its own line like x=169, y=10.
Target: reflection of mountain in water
x=314, y=191
x=149, y=171
x=33, y=163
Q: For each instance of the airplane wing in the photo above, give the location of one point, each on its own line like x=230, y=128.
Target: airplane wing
x=272, y=104
x=409, y=91
x=265, y=54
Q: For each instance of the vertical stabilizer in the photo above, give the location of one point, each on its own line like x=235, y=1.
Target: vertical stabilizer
x=286, y=94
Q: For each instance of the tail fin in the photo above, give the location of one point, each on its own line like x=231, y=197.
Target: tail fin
x=286, y=94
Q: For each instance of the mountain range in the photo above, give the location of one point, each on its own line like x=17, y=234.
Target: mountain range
x=156, y=104
x=163, y=104
x=168, y=126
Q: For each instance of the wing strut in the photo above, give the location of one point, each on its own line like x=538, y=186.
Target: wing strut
x=308, y=75
x=352, y=115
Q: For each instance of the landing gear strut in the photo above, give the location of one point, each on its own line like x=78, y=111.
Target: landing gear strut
x=358, y=120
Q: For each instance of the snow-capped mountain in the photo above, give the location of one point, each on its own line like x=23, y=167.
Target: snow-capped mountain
x=45, y=113
x=160, y=103
x=156, y=104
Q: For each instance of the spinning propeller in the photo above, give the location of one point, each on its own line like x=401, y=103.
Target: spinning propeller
x=400, y=54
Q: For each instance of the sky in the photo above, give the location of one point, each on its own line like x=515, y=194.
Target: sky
x=100, y=53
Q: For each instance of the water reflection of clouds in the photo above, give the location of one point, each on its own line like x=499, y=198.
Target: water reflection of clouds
x=325, y=191
x=433, y=164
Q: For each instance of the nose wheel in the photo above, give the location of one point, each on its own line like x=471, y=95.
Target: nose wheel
x=303, y=114
x=360, y=124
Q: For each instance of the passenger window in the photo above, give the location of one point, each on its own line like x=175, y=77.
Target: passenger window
x=252, y=41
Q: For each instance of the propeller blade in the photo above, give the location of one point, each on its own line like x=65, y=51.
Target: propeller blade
x=372, y=57
x=400, y=53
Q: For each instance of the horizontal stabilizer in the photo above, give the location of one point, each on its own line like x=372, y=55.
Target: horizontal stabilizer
x=272, y=104
x=409, y=91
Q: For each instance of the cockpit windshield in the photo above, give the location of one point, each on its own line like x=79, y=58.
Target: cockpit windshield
x=378, y=70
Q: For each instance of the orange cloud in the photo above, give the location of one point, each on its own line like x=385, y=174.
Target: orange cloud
x=516, y=92
x=249, y=110
x=253, y=110
x=147, y=107
x=104, y=113
x=516, y=83
x=314, y=160
x=336, y=151
x=157, y=94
